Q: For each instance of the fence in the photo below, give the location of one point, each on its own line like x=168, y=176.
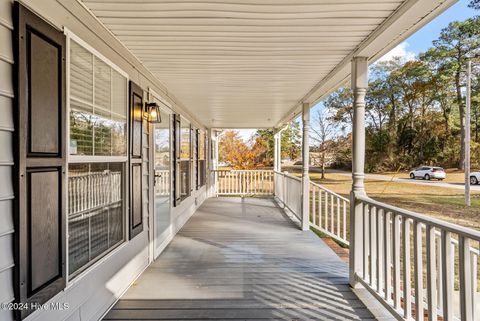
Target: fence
x=445, y=259
x=243, y=182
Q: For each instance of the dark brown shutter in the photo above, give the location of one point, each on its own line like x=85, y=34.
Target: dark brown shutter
x=176, y=160
x=135, y=159
x=40, y=159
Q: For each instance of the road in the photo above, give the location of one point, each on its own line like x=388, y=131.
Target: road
x=388, y=178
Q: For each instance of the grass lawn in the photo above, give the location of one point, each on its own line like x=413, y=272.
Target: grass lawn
x=440, y=202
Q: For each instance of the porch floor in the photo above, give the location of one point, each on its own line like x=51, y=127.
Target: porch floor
x=242, y=259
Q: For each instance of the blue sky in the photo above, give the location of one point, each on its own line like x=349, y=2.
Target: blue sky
x=416, y=43
x=422, y=39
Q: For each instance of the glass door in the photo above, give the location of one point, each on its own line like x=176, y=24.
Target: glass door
x=162, y=171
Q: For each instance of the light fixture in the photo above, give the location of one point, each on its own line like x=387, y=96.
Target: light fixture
x=153, y=112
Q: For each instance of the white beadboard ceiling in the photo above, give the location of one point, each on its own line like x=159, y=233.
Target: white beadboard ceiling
x=250, y=63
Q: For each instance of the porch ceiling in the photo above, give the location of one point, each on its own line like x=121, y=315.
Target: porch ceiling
x=250, y=63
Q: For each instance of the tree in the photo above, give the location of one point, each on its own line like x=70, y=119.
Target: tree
x=340, y=102
x=290, y=143
x=457, y=43
x=234, y=152
x=322, y=131
x=474, y=4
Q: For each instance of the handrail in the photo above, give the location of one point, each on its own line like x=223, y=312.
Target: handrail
x=243, y=182
x=427, y=220
x=289, y=176
x=330, y=191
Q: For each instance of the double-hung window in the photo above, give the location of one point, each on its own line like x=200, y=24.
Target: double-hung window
x=97, y=157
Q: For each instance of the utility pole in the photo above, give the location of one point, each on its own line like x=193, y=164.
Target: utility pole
x=467, y=134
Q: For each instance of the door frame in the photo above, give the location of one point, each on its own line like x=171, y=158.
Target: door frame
x=167, y=108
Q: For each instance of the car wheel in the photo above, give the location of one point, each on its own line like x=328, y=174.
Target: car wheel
x=412, y=176
x=473, y=180
x=427, y=177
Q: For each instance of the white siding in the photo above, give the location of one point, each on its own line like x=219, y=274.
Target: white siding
x=6, y=158
x=90, y=295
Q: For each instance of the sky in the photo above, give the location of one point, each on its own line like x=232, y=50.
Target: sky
x=416, y=43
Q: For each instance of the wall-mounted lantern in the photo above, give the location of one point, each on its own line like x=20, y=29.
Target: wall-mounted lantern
x=153, y=112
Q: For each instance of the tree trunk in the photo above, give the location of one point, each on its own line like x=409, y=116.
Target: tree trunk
x=323, y=165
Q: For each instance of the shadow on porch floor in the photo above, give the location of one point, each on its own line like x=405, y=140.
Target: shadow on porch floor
x=242, y=259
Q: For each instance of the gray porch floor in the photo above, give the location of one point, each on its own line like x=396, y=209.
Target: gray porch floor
x=242, y=259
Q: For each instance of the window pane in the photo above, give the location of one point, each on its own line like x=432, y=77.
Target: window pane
x=185, y=139
x=81, y=129
x=95, y=212
x=98, y=112
x=102, y=127
x=103, y=82
x=81, y=76
x=119, y=136
x=184, y=179
x=201, y=145
x=119, y=95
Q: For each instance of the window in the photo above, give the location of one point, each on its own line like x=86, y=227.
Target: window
x=98, y=100
x=201, y=164
x=194, y=159
x=98, y=158
x=95, y=211
x=183, y=154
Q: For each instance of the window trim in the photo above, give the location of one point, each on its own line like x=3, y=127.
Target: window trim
x=72, y=279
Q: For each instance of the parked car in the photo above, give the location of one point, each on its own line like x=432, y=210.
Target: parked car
x=428, y=172
x=475, y=178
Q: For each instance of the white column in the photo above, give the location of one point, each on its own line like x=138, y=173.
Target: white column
x=215, y=153
x=305, y=167
x=275, y=151
x=359, y=87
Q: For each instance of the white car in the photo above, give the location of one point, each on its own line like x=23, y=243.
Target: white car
x=428, y=172
x=475, y=178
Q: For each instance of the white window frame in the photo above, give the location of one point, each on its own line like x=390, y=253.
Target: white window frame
x=77, y=159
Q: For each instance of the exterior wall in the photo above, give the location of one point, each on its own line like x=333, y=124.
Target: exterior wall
x=6, y=158
x=92, y=293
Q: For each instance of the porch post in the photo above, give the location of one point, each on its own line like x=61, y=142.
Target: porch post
x=216, y=150
x=359, y=88
x=276, y=151
x=305, y=167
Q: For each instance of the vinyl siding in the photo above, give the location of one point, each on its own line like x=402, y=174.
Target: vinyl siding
x=91, y=294
x=6, y=158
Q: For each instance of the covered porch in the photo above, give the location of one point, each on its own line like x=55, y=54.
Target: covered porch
x=135, y=185
x=242, y=259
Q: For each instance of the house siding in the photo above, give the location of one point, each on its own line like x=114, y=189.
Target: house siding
x=6, y=158
x=91, y=294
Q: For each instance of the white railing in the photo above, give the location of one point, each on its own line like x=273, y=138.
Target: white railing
x=328, y=212
x=95, y=216
x=162, y=182
x=90, y=191
x=412, y=262
x=243, y=182
x=288, y=191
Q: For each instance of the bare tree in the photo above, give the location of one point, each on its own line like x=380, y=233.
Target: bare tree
x=322, y=132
